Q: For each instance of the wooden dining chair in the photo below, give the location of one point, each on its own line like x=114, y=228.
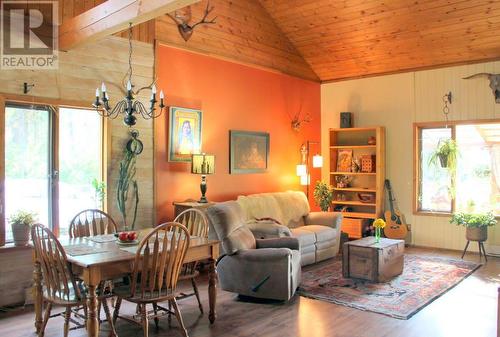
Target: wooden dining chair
x=91, y=222
x=59, y=285
x=196, y=223
x=156, y=270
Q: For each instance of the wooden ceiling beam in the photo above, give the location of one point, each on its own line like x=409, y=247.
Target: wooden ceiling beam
x=112, y=17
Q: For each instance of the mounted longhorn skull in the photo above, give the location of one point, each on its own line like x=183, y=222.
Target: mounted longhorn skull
x=494, y=83
x=182, y=20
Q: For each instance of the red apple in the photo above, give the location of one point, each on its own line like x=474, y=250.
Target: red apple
x=132, y=236
x=123, y=236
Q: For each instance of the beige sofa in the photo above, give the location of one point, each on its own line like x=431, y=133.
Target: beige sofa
x=317, y=232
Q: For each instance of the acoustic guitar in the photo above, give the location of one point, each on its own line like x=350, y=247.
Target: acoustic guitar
x=396, y=227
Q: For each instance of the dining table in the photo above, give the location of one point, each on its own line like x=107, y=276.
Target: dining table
x=100, y=258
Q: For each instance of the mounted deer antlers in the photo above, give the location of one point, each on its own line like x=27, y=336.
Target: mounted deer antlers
x=182, y=20
x=494, y=83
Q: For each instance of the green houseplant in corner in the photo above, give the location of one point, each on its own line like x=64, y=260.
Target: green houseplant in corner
x=476, y=224
x=21, y=223
x=323, y=195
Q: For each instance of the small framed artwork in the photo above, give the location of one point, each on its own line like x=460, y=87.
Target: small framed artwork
x=249, y=152
x=344, y=161
x=184, y=134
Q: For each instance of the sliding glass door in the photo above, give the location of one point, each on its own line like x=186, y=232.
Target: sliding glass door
x=27, y=162
x=53, y=161
x=80, y=144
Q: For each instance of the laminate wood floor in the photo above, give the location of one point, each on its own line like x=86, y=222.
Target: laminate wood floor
x=469, y=309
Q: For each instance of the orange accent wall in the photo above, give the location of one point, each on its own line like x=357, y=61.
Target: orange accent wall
x=232, y=97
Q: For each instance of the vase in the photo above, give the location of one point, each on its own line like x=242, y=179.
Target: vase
x=21, y=234
x=477, y=233
x=377, y=234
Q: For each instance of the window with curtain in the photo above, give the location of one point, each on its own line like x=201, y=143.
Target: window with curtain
x=52, y=157
x=477, y=177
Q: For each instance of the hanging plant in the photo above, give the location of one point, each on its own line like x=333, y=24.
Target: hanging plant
x=127, y=184
x=445, y=155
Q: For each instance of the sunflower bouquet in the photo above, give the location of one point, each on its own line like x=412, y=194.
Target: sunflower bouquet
x=378, y=224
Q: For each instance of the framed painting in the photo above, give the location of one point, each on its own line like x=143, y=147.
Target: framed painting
x=249, y=152
x=344, y=161
x=184, y=134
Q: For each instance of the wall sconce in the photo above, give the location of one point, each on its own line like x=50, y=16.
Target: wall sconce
x=303, y=168
x=305, y=180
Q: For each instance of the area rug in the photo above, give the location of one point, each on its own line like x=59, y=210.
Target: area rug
x=424, y=279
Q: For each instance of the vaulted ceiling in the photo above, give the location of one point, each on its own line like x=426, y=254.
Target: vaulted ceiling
x=328, y=40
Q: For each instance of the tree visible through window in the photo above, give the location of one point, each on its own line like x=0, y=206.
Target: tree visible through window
x=477, y=176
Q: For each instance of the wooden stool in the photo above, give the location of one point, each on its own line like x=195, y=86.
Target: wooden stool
x=482, y=251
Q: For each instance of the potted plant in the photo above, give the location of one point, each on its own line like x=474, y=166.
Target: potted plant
x=99, y=192
x=21, y=225
x=476, y=224
x=323, y=195
x=445, y=154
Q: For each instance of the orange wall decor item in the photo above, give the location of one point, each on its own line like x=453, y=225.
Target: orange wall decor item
x=232, y=97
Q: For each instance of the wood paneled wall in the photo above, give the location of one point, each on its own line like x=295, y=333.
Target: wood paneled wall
x=80, y=71
x=396, y=102
x=244, y=33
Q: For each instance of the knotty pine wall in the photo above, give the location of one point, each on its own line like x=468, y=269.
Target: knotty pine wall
x=80, y=72
x=396, y=102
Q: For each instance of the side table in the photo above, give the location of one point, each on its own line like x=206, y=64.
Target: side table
x=181, y=206
x=377, y=262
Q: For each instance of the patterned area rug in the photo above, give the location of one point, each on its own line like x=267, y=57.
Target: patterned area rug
x=424, y=279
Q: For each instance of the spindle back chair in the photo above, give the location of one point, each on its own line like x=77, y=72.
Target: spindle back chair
x=156, y=270
x=91, y=222
x=59, y=284
x=197, y=224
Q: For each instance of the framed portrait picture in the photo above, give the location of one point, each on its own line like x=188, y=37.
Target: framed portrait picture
x=344, y=161
x=184, y=134
x=249, y=152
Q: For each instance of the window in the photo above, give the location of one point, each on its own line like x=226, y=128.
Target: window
x=475, y=186
x=52, y=155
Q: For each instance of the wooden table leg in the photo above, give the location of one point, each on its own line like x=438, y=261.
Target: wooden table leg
x=37, y=294
x=212, y=290
x=92, y=320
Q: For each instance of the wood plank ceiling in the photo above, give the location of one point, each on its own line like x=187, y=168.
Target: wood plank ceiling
x=328, y=40
x=356, y=38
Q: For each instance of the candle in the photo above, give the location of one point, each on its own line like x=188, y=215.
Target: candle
x=103, y=87
x=162, y=96
x=153, y=89
x=97, y=92
x=129, y=86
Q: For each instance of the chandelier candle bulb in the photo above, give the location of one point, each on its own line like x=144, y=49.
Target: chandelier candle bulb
x=103, y=87
x=162, y=96
x=129, y=86
x=153, y=89
x=97, y=93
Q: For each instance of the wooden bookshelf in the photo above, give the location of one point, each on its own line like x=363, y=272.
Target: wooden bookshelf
x=360, y=214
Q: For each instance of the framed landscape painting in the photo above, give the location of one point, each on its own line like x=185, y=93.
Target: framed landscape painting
x=184, y=134
x=249, y=152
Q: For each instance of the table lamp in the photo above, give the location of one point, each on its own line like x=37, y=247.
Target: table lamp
x=203, y=164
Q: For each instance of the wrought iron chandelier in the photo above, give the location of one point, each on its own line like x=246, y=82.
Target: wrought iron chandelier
x=129, y=106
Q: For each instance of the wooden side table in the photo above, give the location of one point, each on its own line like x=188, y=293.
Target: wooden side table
x=181, y=206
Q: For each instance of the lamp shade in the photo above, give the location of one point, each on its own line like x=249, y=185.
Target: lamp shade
x=203, y=164
x=317, y=160
x=301, y=170
x=305, y=180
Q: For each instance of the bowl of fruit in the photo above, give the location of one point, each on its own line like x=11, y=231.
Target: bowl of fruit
x=127, y=238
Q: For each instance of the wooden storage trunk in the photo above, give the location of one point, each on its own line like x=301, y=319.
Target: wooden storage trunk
x=377, y=262
x=354, y=227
